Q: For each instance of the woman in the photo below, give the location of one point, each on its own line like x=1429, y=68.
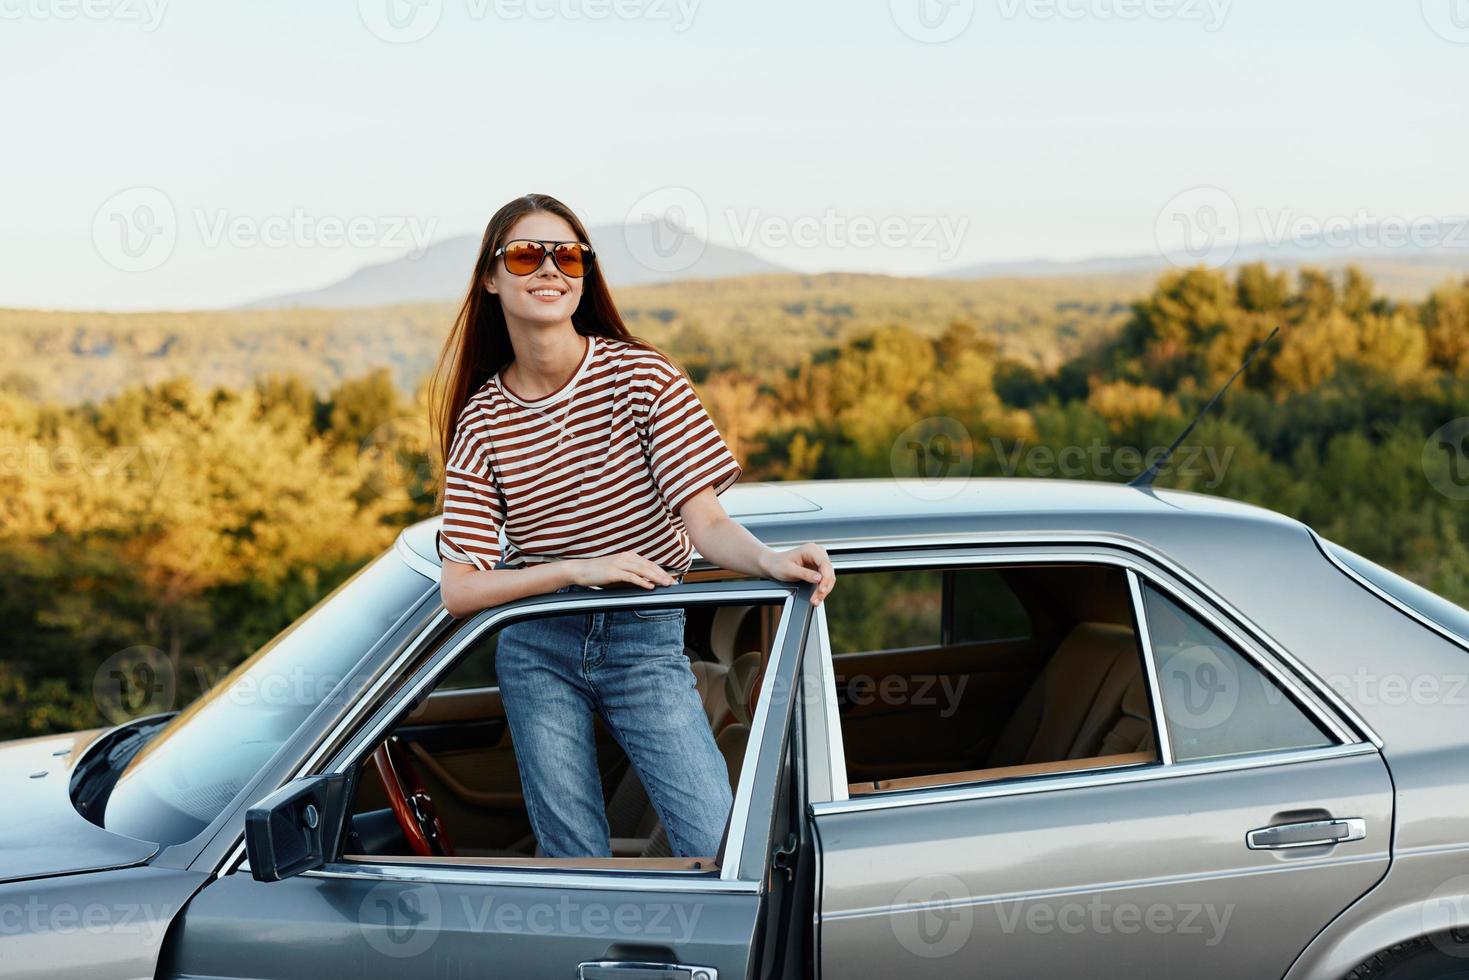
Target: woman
x=589, y=448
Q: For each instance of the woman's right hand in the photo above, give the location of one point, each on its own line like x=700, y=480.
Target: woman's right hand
x=627, y=566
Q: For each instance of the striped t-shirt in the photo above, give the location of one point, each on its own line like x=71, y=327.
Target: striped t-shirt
x=599, y=466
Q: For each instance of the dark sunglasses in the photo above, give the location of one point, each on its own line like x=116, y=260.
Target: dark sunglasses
x=524, y=256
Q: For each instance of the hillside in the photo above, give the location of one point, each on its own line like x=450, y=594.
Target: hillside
x=757, y=322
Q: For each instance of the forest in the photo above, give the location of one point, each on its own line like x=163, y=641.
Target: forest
x=187, y=484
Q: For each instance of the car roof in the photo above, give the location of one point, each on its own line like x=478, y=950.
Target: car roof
x=897, y=508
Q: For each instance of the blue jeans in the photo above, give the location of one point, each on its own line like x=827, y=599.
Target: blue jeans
x=628, y=666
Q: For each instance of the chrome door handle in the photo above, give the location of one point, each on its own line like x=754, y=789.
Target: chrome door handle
x=1313, y=833
x=629, y=970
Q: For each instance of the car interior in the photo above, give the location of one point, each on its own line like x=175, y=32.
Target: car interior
x=1015, y=671
x=452, y=755
x=943, y=676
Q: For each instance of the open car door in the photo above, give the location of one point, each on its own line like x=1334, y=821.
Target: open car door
x=408, y=918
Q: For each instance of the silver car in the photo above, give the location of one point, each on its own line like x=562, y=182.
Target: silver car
x=1039, y=729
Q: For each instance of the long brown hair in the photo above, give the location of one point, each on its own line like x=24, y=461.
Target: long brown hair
x=479, y=344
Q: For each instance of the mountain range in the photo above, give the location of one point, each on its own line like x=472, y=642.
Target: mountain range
x=648, y=254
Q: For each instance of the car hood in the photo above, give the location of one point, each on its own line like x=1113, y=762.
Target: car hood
x=43, y=832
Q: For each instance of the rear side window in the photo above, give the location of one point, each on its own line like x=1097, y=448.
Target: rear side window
x=1430, y=605
x=1216, y=702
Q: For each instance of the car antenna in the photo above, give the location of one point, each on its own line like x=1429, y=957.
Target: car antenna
x=1144, y=480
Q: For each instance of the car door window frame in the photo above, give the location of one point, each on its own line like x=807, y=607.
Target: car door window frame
x=827, y=782
x=438, y=650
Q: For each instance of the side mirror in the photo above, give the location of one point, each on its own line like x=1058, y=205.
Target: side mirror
x=297, y=828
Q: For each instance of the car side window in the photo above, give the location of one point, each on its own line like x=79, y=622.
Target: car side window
x=886, y=611
x=993, y=688
x=451, y=753
x=1215, y=701
x=905, y=609
x=477, y=669
x=984, y=609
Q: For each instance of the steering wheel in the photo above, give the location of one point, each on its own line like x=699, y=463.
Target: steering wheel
x=414, y=808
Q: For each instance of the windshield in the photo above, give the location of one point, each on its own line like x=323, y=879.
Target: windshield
x=1430, y=605
x=185, y=777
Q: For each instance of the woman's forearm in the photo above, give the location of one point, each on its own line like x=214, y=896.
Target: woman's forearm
x=466, y=589
x=729, y=544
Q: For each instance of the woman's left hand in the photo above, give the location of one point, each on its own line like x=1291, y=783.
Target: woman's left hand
x=805, y=563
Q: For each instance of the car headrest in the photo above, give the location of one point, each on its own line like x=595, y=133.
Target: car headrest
x=724, y=632
x=741, y=685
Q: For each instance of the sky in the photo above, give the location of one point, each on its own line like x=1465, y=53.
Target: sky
x=182, y=154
